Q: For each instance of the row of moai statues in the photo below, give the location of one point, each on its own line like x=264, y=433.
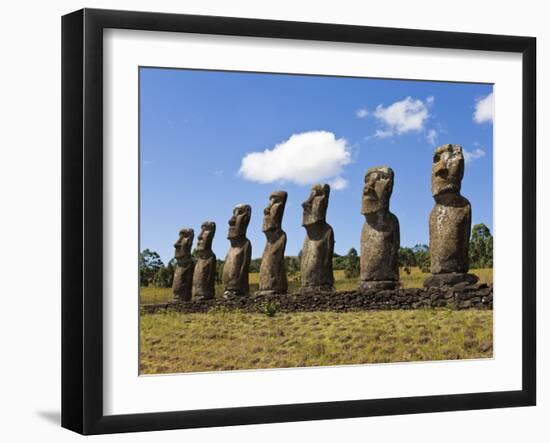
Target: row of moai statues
x=450, y=224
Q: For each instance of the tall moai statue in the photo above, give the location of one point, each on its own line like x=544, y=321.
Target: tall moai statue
x=237, y=261
x=273, y=269
x=204, y=276
x=318, y=249
x=380, y=234
x=450, y=220
x=183, y=274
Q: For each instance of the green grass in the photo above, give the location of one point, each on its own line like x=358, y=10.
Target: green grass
x=412, y=280
x=174, y=342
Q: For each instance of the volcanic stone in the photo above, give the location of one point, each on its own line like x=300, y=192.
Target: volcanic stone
x=380, y=233
x=273, y=278
x=183, y=273
x=318, y=249
x=204, y=277
x=237, y=261
x=450, y=220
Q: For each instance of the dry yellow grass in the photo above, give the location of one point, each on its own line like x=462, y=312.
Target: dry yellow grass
x=220, y=340
x=412, y=280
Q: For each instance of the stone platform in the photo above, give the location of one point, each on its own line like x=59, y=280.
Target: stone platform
x=475, y=296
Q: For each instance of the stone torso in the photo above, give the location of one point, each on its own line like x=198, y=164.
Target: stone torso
x=183, y=277
x=204, y=277
x=273, y=269
x=380, y=248
x=450, y=236
x=316, y=261
x=235, y=270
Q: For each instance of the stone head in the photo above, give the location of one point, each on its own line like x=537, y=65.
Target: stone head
x=315, y=207
x=184, y=243
x=377, y=190
x=239, y=221
x=447, y=169
x=204, y=240
x=273, y=213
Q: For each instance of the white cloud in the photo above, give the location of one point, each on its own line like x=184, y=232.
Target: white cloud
x=362, y=112
x=402, y=117
x=470, y=156
x=484, y=109
x=303, y=159
x=383, y=134
x=431, y=136
x=430, y=100
x=339, y=183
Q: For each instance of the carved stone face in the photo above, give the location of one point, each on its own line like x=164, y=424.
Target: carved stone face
x=447, y=169
x=377, y=190
x=239, y=221
x=204, y=241
x=273, y=213
x=184, y=243
x=315, y=207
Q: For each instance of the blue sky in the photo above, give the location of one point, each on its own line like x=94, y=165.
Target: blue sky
x=198, y=129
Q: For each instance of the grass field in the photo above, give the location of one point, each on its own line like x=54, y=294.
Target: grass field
x=412, y=280
x=173, y=342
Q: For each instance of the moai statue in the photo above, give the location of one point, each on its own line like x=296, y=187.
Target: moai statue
x=273, y=270
x=204, y=277
x=183, y=274
x=380, y=234
x=316, y=260
x=450, y=220
x=237, y=261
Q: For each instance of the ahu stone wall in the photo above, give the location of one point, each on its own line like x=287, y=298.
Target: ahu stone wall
x=475, y=296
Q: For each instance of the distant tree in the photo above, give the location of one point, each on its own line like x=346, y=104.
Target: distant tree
x=481, y=247
x=352, y=266
x=149, y=264
x=292, y=267
x=406, y=257
x=339, y=262
x=255, y=265
x=163, y=277
x=422, y=257
x=219, y=270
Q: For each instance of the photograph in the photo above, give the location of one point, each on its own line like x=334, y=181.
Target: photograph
x=299, y=220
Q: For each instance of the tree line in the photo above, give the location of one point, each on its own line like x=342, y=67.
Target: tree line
x=153, y=272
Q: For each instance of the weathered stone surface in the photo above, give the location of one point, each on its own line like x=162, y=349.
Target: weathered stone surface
x=365, y=287
x=450, y=219
x=380, y=233
x=237, y=261
x=204, y=276
x=183, y=274
x=459, y=280
x=273, y=278
x=318, y=249
x=410, y=298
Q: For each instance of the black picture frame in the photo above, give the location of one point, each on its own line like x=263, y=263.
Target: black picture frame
x=82, y=215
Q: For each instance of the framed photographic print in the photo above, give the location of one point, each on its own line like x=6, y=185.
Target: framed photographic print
x=269, y=221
